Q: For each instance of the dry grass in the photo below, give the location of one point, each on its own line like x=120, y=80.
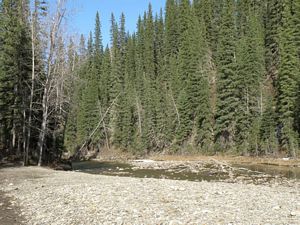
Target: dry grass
x=119, y=155
x=114, y=154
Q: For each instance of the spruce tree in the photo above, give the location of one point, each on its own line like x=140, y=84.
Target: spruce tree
x=211, y=73
x=267, y=130
x=250, y=74
x=128, y=98
x=15, y=63
x=170, y=68
x=171, y=28
x=149, y=95
x=71, y=129
x=161, y=82
x=140, y=91
x=273, y=22
x=89, y=109
x=296, y=19
x=288, y=79
x=121, y=110
x=188, y=62
x=204, y=11
x=98, y=47
x=227, y=99
x=98, y=53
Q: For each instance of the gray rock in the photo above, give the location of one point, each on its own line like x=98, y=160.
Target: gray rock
x=78, y=198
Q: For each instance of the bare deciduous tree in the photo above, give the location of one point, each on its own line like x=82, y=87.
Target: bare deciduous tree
x=51, y=81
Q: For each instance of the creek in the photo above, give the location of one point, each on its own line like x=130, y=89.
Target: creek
x=209, y=171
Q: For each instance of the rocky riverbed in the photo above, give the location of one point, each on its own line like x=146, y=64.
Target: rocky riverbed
x=45, y=196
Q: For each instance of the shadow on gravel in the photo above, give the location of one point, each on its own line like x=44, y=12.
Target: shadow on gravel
x=9, y=164
x=9, y=213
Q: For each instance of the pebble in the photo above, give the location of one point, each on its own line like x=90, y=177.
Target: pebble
x=276, y=207
x=78, y=198
x=295, y=213
x=206, y=211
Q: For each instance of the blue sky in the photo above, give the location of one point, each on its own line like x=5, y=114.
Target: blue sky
x=82, y=14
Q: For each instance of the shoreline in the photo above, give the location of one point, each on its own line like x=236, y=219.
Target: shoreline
x=57, y=197
x=118, y=155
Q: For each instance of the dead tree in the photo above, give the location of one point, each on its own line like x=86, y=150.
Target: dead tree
x=49, y=84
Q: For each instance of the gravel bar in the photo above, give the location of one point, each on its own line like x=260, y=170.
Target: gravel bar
x=48, y=197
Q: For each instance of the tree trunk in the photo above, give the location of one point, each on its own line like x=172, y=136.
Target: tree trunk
x=54, y=29
x=32, y=89
x=139, y=116
x=44, y=125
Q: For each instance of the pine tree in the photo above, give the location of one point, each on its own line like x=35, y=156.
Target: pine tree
x=89, y=109
x=105, y=79
x=171, y=28
x=250, y=69
x=273, y=22
x=227, y=99
x=149, y=95
x=184, y=18
x=15, y=62
x=204, y=11
x=117, y=78
x=288, y=79
x=161, y=82
x=98, y=54
x=267, y=130
x=115, y=86
x=188, y=62
x=170, y=69
x=211, y=75
x=128, y=101
x=245, y=10
x=98, y=47
x=122, y=109
x=296, y=19
x=71, y=129
x=139, y=142
x=217, y=9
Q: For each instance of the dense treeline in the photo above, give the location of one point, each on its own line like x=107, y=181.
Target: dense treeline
x=205, y=76
x=35, y=80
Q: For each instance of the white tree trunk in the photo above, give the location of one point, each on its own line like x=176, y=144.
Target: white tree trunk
x=48, y=86
x=44, y=125
x=33, y=24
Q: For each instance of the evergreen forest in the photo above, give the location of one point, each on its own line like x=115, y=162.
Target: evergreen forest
x=199, y=77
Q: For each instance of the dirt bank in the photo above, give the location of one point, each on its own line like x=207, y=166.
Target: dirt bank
x=118, y=155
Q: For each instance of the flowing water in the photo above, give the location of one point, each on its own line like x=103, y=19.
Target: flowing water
x=273, y=170
x=208, y=173
x=127, y=170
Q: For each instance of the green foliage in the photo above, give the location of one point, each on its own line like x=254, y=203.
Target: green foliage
x=250, y=72
x=273, y=23
x=288, y=81
x=227, y=93
x=199, y=78
x=171, y=28
x=204, y=76
x=15, y=70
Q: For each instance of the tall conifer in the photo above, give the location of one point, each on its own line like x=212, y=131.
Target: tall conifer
x=227, y=99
